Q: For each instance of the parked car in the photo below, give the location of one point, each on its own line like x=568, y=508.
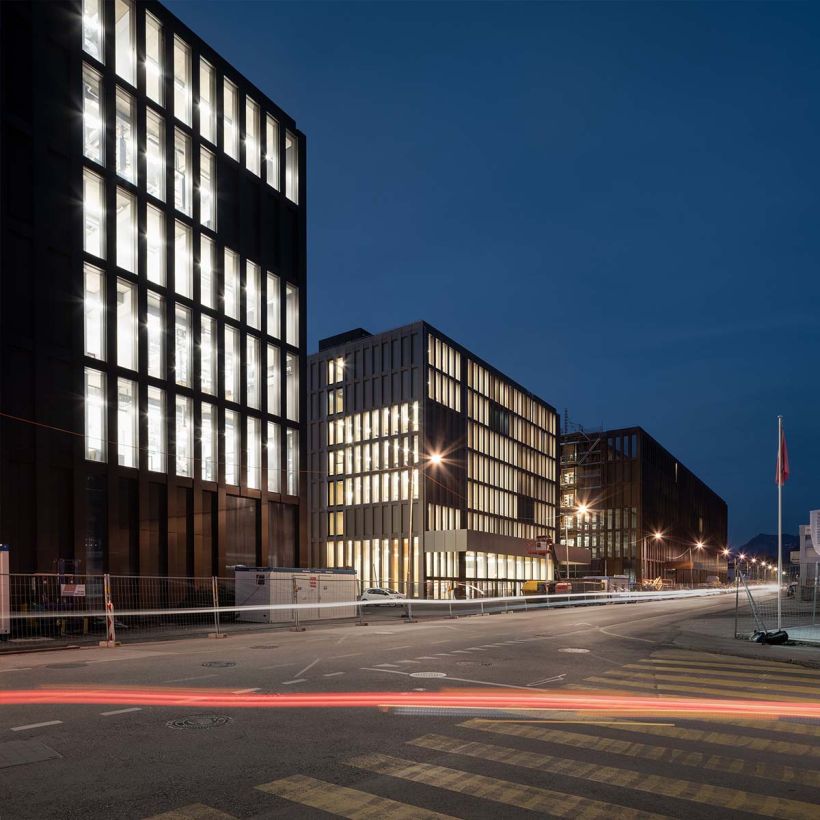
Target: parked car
x=382, y=595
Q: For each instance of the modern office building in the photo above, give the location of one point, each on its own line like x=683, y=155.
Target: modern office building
x=430, y=471
x=638, y=509
x=152, y=299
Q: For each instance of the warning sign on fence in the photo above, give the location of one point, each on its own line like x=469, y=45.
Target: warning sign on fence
x=314, y=581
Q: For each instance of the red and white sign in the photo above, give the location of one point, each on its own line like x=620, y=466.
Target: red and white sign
x=72, y=590
x=314, y=582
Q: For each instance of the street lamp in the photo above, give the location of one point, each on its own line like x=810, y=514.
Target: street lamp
x=435, y=459
x=656, y=536
x=581, y=509
x=726, y=553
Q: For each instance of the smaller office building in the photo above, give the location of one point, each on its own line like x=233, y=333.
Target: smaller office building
x=808, y=556
x=430, y=471
x=639, y=510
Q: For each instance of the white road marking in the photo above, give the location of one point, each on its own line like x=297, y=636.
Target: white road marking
x=625, y=637
x=277, y=666
x=18, y=669
x=195, y=677
x=332, y=674
x=408, y=661
x=122, y=711
x=392, y=665
x=436, y=643
x=547, y=680
x=244, y=691
x=35, y=725
x=442, y=654
x=289, y=682
x=310, y=665
x=334, y=657
x=403, y=646
x=448, y=678
x=425, y=658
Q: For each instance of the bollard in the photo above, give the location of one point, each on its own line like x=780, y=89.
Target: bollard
x=482, y=608
x=361, y=621
x=296, y=627
x=410, y=619
x=451, y=611
x=215, y=599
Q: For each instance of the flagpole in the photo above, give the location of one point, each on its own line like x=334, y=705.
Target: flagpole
x=779, y=518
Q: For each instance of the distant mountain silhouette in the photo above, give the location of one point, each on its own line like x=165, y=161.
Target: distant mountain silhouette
x=766, y=545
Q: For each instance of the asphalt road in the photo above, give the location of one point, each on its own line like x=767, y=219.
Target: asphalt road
x=104, y=761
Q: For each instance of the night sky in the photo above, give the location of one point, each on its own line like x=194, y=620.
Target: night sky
x=616, y=205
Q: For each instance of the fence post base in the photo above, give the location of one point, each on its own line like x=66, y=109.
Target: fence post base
x=110, y=643
x=409, y=615
x=217, y=635
x=361, y=621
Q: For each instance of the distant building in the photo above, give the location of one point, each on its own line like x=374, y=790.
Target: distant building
x=809, y=558
x=153, y=293
x=410, y=421
x=619, y=488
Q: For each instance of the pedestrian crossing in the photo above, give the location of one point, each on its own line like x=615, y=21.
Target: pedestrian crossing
x=519, y=764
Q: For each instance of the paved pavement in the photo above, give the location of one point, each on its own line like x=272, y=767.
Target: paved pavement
x=136, y=760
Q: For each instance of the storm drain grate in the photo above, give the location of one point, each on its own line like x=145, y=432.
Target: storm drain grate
x=218, y=664
x=199, y=722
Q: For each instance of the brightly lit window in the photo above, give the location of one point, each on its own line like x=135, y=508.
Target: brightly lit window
x=155, y=330
x=274, y=459
x=95, y=415
x=207, y=101
x=274, y=374
x=336, y=370
x=156, y=429
x=253, y=296
x=292, y=315
x=153, y=58
x=184, y=436
x=155, y=154
x=231, y=364
x=126, y=325
x=183, y=261
x=210, y=437
x=231, y=447
x=291, y=167
x=254, y=442
x=127, y=424
x=251, y=136
x=292, y=386
x=207, y=272
x=207, y=355
x=207, y=189
x=124, y=51
x=126, y=231
x=183, y=185
x=230, y=120
x=93, y=121
x=271, y=151
x=182, y=81
x=230, y=295
x=272, y=306
x=93, y=29
x=183, y=346
x=93, y=214
x=94, y=312
x=126, y=136
x=252, y=371
x=292, y=461
x=155, y=245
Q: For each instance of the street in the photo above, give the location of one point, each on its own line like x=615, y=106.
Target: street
x=193, y=761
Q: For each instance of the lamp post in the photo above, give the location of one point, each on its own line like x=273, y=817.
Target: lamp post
x=699, y=546
x=656, y=536
x=435, y=459
x=726, y=553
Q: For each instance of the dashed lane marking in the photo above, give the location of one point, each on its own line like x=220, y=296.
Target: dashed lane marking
x=245, y=691
x=289, y=682
x=28, y=726
x=121, y=711
x=332, y=674
x=194, y=677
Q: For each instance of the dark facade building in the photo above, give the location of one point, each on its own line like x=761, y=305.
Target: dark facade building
x=638, y=509
x=152, y=295
x=430, y=471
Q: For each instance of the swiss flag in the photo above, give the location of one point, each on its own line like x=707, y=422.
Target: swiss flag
x=782, y=473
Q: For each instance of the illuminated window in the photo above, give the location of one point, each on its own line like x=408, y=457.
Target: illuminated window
x=230, y=296
x=93, y=214
x=230, y=120
x=274, y=459
x=231, y=364
x=126, y=231
x=155, y=245
x=207, y=272
x=292, y=315
x=153, y=58
x=183, y=347
x=93, y=29
x=232, y=447
x=291, y=167
x=156, y=429
x=93, y=121
x=126, y=136
x=207, y=101
x=182, y=81
x=251, y=136
x=182, y=172
x=254, y=466
x=95, y=415
x=185, y=436
x=292, y=461
x=183, y=261
x=154, y=154
x=273, y=381
x=208, y=355
x=272, y=305
x=209, y=442
x=271, y=152
x=127, y=426
x=207, y=189
x=155, y=327
x=124, y=52
x=94, y=313
x=292, y=386
x=253, y=296
x=126, y=325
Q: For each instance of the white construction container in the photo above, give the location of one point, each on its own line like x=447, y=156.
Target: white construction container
x=268, y=586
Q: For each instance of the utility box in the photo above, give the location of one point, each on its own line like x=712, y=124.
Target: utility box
x=275, y=586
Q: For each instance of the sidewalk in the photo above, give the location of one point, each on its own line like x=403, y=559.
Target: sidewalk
x=714, y=634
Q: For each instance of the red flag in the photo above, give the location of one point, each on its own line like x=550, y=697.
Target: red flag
x=782, y=473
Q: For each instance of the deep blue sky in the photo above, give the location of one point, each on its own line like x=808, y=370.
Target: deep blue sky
x=617, y=205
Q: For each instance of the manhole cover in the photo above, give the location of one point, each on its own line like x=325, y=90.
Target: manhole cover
x=199, y=722
x=574, y=651
x=74, y=665
x=218, y=664
x=473, y=663
x=428, y=675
